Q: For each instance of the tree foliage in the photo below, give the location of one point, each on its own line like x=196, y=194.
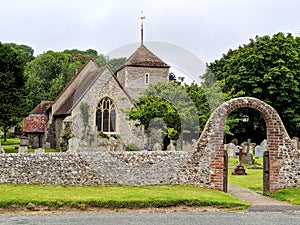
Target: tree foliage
x=266, y=68
x=12, y=83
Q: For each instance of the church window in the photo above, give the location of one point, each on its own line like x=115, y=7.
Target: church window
x=147, y=78
x=106, y=115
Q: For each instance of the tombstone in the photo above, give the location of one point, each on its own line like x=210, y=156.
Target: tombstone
x=157, y=147
x=230, y=149
x=2, y=151
x=295, y=143
x=47, y=145
x=248, y=157
x=73, y=145
x=39, y=151
x=236, y=151
x=23, y=148
x=264, y=145
x=187, y=147
x=171, y=146
x=258, y=151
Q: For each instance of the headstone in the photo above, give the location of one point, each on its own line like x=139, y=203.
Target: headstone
x=264, y=145
x=39, y=151
x=236, y=151
x=230, y=149
x=2, y=151
x=171, y=146
x=258, y=151
x=157, y=147
x=73, y=145
x=23, y=148
x=188, y=147
x=295, y=143
x=47, y=145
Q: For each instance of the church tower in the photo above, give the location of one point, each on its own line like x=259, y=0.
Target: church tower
x=141, y=69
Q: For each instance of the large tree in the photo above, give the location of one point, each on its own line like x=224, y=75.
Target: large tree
x=12, y=83
x=267, y=68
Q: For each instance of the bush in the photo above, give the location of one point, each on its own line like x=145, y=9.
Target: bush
x=132, y=147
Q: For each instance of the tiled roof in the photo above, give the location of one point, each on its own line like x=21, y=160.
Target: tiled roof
x=35, y=123
x=143, y=57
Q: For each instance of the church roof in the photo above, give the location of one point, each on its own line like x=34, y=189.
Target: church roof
x=143, y=57
x=42, y=107
x=79, y=91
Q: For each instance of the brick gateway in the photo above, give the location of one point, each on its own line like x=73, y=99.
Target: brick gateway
x=278, y=140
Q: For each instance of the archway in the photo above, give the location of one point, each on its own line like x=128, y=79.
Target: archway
x=211, y=140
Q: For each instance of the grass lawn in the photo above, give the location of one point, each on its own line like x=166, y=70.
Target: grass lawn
x=115, y=196
x=11, y=146
x=254, y=178
x=291, y=195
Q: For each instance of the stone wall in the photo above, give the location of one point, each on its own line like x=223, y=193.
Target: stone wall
x=102, y=168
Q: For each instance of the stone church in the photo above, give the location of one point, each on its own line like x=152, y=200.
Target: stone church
x=90, y=108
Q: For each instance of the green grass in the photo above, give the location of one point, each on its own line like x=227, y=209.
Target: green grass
x=291, y=195
x=254, y=178
x=11, y=146
x=12, y=149
x=115, y=196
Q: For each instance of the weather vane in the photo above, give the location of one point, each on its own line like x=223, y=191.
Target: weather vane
x=142, y=27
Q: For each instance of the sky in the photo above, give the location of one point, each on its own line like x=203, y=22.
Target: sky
x=205, y=28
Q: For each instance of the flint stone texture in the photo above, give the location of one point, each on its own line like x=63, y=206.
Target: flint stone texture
x=103, y=168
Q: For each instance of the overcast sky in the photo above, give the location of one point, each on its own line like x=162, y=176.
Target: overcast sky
x=207, y=28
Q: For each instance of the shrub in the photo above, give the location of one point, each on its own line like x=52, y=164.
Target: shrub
x=132, y=147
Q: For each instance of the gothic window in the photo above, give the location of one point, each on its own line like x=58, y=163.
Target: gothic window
x=147, y=78
x=106, y=115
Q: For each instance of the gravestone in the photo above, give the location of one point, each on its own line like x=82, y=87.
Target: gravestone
x=264, y=145
x=248, y=157
x=73, y=145
x=259, y=151
x=157, y=147
x=236, y=151
x=23, y=148
x=295, y=143
x=230, y=149
x=39, y=151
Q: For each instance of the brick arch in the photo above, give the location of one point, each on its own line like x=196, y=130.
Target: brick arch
x=211, y=139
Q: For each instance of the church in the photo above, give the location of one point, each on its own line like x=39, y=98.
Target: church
x=90, y=108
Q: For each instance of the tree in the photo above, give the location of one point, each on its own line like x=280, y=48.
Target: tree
x=12, y=87
x=171, y=103
x=267, y=68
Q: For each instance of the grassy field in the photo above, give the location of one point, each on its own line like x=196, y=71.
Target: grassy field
x=11, y=146
x=291, y=195
x=115, y=196
x=253, y=179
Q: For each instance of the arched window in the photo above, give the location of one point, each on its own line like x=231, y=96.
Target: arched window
x=106, y=115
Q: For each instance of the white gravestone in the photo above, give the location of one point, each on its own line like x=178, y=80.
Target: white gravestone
x=230, y=149
x=259, y=151
x=73, y=144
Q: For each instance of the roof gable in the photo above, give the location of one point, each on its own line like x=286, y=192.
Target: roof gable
x=79, y=92
x=67, y=93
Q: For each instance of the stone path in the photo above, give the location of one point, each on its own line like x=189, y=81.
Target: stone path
x=260, y=202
